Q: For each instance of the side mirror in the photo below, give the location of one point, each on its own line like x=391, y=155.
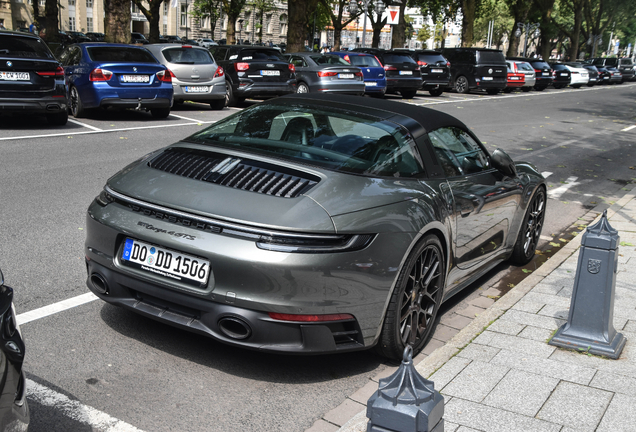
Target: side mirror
x=503, y=163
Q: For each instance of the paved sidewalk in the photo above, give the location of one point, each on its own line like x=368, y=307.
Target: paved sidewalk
x=499, y=374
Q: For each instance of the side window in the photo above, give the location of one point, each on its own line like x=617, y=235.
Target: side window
x=297, y=61
x=457, y=152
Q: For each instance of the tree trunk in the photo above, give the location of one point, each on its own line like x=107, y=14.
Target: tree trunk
x=576, y=31
x=337, y=33
x=377, y=31
x=399, y=30
x=231, y=29
x=153, y=20
x=52, y=23
x=117, y=21
x=519, y=11
x=468, y=12
x=299, y=13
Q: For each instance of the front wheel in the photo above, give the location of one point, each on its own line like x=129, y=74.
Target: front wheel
x=160, y=113
x=461, y=85
x=408, y=94
x=530, y=230
x=412, y=311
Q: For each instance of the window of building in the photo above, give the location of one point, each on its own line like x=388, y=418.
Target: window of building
x=165, y=28
x=165, y=8
x=269, y=23
x=89, y=24
x=283, y=25
x=71, y=2
x=247, y=25
x=89, y=4
x=184, y=15
x=135, y=8
x=71, y=23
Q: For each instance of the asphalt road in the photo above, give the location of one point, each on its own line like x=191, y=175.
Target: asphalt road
x=100, y=368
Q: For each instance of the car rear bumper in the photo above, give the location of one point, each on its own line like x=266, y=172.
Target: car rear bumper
x=215, y=91
x=136, y=103
x=341, y=88
x=43, y=105
x=397, y=84
x=251, y=89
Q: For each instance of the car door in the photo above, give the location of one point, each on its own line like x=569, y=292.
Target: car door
x=70, y=59
x=484, y=200
x=301, y=68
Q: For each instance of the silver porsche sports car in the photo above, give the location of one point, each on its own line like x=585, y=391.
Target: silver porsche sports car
x=312, y=224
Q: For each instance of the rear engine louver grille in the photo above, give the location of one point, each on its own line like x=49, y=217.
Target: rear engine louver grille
x=235, y=172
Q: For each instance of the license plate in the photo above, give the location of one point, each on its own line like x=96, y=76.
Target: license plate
x=270, y=72
x=564, y=74
x=15, y=76
x=166, y=262
x=135, y=78
x=346, y=76
x=437, y=71
x=371, y=84
x=197, y=89
x=487, y=78
x=546, y=74
x=514, y=78
x=406, y=72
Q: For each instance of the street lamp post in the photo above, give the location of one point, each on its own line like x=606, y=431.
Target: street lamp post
x=353, y=9
x=527, y=28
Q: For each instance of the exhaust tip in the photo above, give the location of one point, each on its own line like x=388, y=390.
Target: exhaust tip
x=235, y=328
x=52, y=107
x=99, y=283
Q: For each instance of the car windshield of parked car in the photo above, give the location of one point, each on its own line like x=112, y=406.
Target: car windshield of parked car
x=393, y=58
x=180, y=55
x=120, y=54
x=611, y=61
x=491, y=57
x=18, y=46
x=264, y=55
x=329, y=60
x=364, y=61
x=325, y=137
x=431, y=58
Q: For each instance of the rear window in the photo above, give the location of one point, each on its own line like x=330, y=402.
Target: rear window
x=392, y=58
x=264, y=55
x=120, y=54
x=187, y=56
x=328, y=60
x=557, y=66
x=24, y=47
x=540, y=65
x=431, y=58
x=491, y=57
x=626, y=61
x=525, y=67
x=364, y=61
x=611, y=61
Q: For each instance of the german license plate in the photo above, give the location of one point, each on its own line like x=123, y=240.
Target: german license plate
x=166, y=262
x=406, y=72
x=564, y=74
x=487, y=78
x=196, y=89
x=345, y=76
x=371, y=84
x=15, y=76
x=135, y=78
x=546, y=74
x=270, y=72
x=437, y=71
x=515, y=78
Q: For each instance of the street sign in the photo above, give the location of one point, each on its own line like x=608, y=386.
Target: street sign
x=392, y=14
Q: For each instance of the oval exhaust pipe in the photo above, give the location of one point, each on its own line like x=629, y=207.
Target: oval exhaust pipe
x=235, y=328
x=99, y=283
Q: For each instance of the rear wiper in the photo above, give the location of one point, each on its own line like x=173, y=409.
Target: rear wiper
x=4, y=51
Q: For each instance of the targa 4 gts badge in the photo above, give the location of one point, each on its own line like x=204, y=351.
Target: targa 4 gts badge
x=164, y=231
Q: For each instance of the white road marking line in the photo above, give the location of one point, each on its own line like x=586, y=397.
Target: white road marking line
x=185, y=118
x=85, y=125
x=558, y=192
x=628, y=128
x=546, y=174
x=54, y=308
x=95, y=419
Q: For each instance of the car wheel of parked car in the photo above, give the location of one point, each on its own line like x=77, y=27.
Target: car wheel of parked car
x=57, y=119
x=231, y=99
x=507, y=90
x=160, y=112
x=218, y=104
x=302, y=88
x=75, y=104
x=408, y=94
x=530, y=231
x=436, y=92
x=410, y=317
x=493, y=91
x=559, y=86
x=578, y=86
x=539, y=88
x=461, y=84
x=526, y=89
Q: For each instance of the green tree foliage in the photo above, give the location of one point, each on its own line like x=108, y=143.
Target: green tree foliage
x=204, y=9
x=424, y=34
x=152, y=13
x=232, y=8
x=497, y=11
x=339, y=20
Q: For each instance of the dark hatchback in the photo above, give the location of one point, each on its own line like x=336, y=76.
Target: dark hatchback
x=543, y=72
x=402, y=72
x=595, y=76
x=477, y=69
x=435, y=70
x=31, y=79
x=254, y=72
x=562, y=75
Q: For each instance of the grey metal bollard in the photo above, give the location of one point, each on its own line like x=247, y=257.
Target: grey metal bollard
x=405, y=402
x=590, y=325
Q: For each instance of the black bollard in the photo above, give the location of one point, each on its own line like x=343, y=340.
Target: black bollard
x=406, y=402
x=590, y=326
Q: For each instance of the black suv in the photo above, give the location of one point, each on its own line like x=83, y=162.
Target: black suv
x=435, y=70
x=32, y=80
x=562, y=75
x=477, y=69
x=402, y=72
x=624, y=65
x=252, y=71
x=543, y=71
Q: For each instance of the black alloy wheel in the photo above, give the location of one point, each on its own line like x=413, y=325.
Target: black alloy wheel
x=408, y=94
x=436, y=91
x=75, y=103
x=412, y=312
x=530, y=231
x=493, y=91
x=461, y=85
x=218, y=104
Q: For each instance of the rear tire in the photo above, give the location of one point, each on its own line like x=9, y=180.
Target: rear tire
x=160, y=113
x=530, y=230
x=436, y=92
x=75, y=103
x=57, y=119
x=302, y=88
x=231, y=99
x=526, y=89
x=408, y=94
x=507, y=90
x=493, y=91
x=218, y=104
x=461, y=85
x=411, y=315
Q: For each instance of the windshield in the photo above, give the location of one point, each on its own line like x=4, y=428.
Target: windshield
x=328, y=60
x=120, y=54
x=364, y=61
x=16, y=46
x=491, y=57
x=187, y=56
x=392, y=58
x=325, y=137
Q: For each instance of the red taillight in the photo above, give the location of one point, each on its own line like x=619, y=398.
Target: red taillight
x=359, y=74
x=390, y=68
x=165, y=76
x=347, y=59
x=448, y=63
x=186, y=46
x=100, y=75
x=219, y=72
x=422, y=63
x=240, y=67
x=292, y=68
x=323, y=74
x=310, y=318
x=59, y=72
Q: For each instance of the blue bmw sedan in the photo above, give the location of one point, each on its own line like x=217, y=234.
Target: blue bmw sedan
x=102, y=75
x=374, y=74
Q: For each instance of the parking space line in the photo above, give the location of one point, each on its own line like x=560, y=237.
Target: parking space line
x=628, y=128
x=558, y=192
x=96, y=420
x=54, y=308
x=185, y=118
x=546, y=174
x=85, y=125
